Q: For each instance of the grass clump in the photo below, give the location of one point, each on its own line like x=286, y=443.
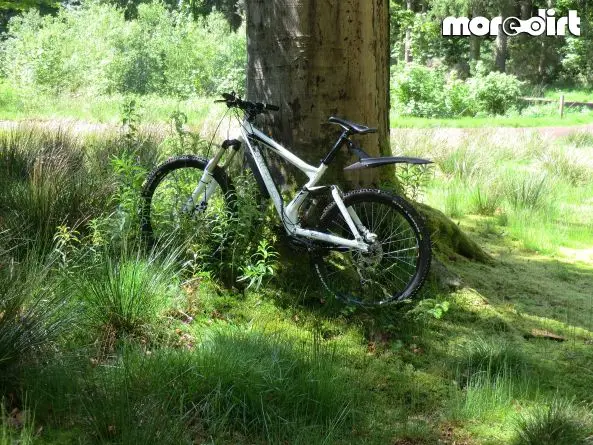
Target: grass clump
x=556, y=423
x=491, y=357
x=491, y=377
x=45, y=182
x=239, y=386
x=129, y=291
x=569, y=164
x=486, y=199
x=527, y=190
x=30, y=316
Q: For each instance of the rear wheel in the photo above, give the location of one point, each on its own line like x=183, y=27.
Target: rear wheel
x=397, y=262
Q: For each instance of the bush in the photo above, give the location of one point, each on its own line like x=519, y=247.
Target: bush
x=419, y=91
x=429, y=92
x=163, y=52
x=495, y=93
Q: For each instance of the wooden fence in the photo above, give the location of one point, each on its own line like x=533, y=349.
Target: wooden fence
x=561, y=103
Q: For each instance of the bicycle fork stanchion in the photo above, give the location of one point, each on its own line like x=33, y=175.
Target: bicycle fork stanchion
x=206, y=182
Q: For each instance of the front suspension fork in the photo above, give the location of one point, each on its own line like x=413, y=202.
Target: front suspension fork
x=207, y=184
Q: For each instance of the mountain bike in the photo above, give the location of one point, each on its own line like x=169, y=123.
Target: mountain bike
x=368, y=246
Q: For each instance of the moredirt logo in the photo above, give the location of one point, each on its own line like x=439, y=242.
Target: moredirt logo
x=545, y=22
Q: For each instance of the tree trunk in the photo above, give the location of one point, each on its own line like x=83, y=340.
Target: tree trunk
x=541, y=68
x=526, y=8
x=475, y=43
x=318, y=59
x=408, y=41
x=501, y=49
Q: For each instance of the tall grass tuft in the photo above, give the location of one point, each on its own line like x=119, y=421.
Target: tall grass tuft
x=30, y=316
x=580, y=139
x=490, y=356
x=465, y=164
x=556, y=423
x=525, y=190
x=44, y=182
x=569, y=164
x=126, y=291
x=491, y=375
x=17, y=428
x=486, y=199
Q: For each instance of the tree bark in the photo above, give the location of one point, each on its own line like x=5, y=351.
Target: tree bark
x=408, y=41
x=501, y=49
x=475, y=43
x=526, y=8
x=318, y=59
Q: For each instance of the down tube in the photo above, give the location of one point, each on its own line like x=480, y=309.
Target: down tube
x=267, y=178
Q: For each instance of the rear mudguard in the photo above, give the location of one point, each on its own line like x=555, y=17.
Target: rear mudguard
x=379, y=162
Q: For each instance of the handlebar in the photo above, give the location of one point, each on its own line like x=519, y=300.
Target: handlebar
x=252, y=108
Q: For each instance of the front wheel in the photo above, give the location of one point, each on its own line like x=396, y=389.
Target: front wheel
x=167, y=205
x=397, y=262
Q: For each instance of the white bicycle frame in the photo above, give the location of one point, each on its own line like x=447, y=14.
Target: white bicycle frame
x=251, y=138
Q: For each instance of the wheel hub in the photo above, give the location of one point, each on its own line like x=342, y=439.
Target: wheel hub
x=372, y=258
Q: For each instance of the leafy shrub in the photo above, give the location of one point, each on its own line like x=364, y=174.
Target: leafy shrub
x=261, y=265
x=418, y=91
x=459, y=100
x=429, y=92
x=578, y=57
x=161, y=52
x=496, y=93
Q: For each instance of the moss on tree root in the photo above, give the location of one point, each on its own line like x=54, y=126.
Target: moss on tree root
x=448, y=238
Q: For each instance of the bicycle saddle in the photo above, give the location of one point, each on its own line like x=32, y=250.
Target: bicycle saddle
x=351, y=126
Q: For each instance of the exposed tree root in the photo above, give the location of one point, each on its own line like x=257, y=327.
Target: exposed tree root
x=449, y=239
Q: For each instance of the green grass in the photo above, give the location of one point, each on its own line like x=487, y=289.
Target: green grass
x=159, y=351
x=571, y=118
x=203, y=113
x=559, y=422
x=19, y=105
x=573, y=95
x=125, y=293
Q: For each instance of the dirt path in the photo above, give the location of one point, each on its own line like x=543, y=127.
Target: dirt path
x=454, y=136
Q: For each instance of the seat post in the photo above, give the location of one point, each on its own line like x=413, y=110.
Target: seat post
x=334, y=151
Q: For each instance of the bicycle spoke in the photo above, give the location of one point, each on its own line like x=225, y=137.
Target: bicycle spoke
x=389, y=266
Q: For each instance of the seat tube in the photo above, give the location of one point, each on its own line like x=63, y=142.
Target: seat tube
x=334, y=151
